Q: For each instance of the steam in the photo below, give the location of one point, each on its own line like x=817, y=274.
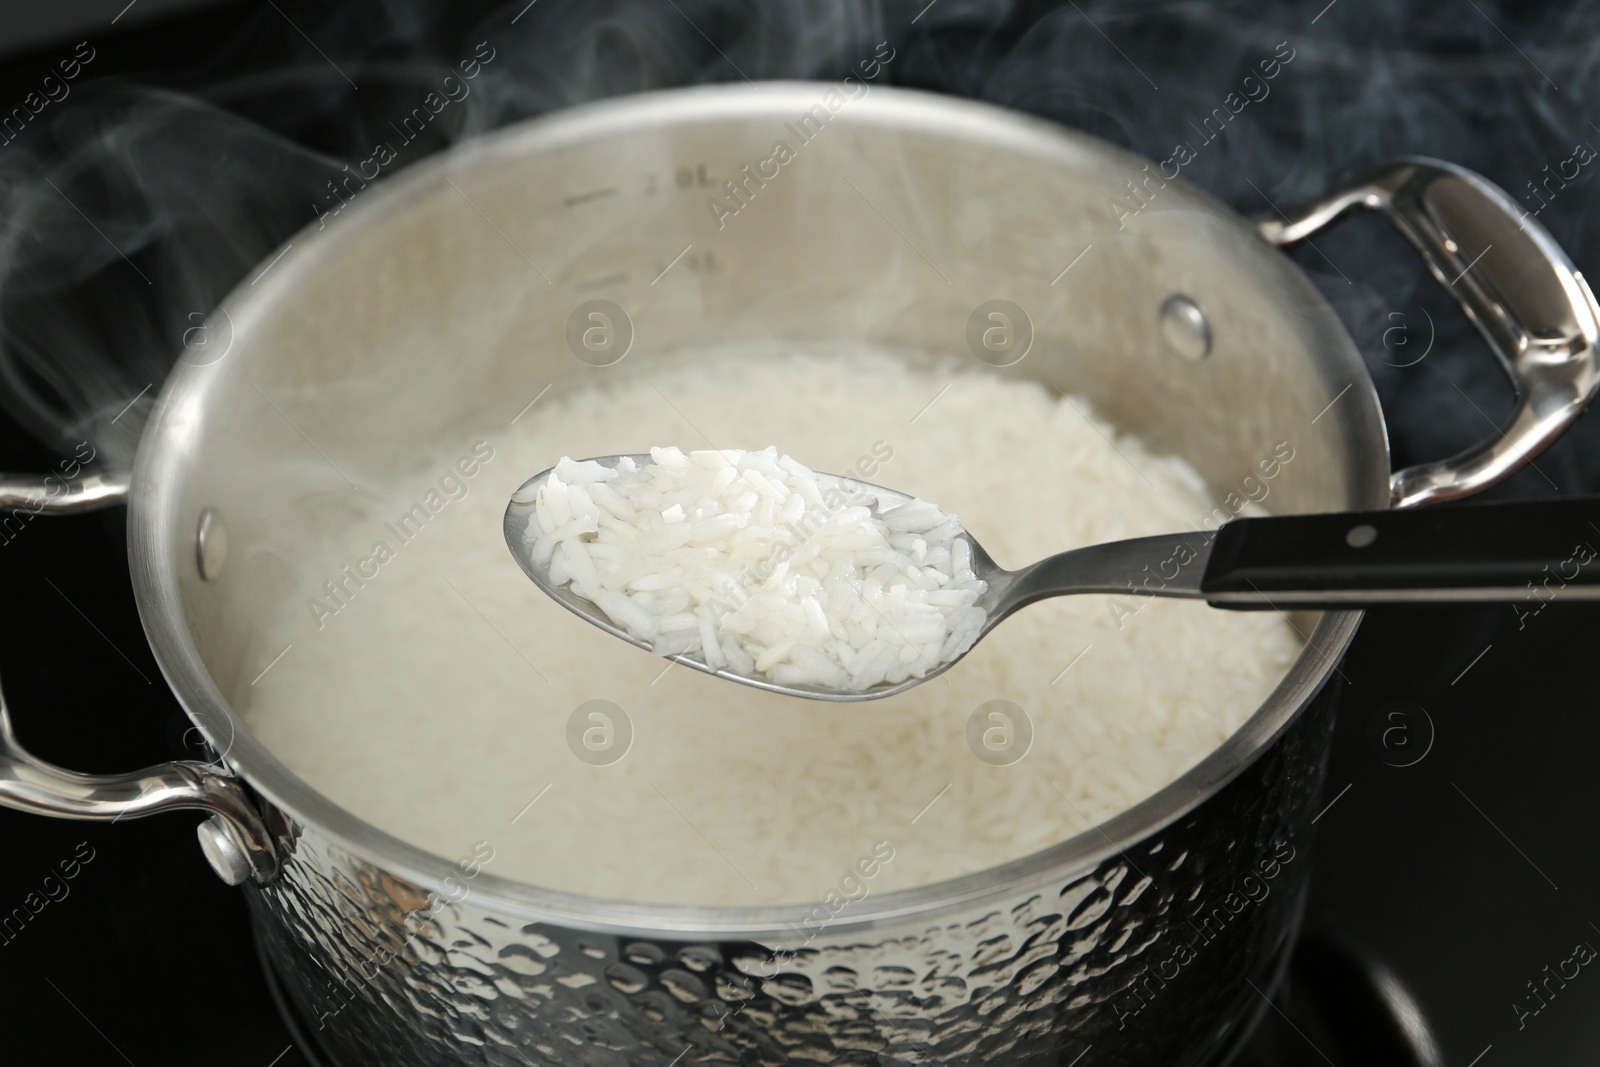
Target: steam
x=126, y=212
x=151, y=208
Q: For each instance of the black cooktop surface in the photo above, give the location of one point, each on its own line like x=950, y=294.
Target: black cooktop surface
x=1455, y=866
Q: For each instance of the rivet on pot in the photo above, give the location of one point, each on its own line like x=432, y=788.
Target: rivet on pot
x=223, y=850
x=1185, y=329
x=211, y=544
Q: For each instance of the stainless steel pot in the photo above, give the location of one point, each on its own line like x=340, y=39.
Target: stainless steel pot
x=1153, y=938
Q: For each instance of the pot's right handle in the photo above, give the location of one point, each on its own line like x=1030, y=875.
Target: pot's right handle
x=1515, y=284
x=235, y=839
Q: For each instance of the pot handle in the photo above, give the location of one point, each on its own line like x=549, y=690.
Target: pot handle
x=235, y=839
x=85, y=492
x=1515, y=284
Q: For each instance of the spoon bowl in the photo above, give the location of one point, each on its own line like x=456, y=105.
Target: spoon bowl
x=1110, y=568
x=519, y=512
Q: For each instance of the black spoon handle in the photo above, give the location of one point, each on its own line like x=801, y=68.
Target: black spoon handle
x=1533, y=550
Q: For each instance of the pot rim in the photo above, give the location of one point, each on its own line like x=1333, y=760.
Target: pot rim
x=166, y=447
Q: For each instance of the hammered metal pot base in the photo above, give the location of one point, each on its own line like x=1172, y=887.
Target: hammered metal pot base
x=317, y=1055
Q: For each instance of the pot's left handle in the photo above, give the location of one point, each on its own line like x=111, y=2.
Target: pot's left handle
x=235, y=839
x=85, y=492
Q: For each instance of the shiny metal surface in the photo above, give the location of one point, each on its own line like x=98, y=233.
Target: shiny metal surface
x=1184, y=328
x=57, y=495
x=407, y=958
x=228, y=855
x=1515, y=284
x=30, y=784
x=211, y=544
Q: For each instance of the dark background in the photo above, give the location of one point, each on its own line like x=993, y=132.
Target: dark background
x=1461, y=876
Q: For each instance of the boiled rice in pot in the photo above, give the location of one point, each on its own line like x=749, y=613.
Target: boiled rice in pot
x=443, y=696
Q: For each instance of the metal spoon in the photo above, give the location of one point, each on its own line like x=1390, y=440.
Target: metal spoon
x=1507, y=552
